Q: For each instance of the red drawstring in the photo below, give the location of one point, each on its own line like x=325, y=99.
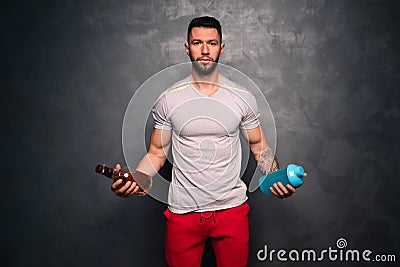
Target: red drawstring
x=203, y=216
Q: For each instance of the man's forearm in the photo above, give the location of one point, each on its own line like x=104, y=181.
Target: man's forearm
x=146, y=169
x=150, y=164
x=267, y=161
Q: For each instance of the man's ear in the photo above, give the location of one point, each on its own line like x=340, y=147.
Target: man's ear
x=187, y=48
x=222, y=49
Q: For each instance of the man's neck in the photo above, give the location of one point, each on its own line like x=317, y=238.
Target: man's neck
x=206, y=84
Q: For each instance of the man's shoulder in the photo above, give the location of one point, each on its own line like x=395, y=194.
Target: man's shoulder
x=236, y=89
x=178, y=86
x=171, y=92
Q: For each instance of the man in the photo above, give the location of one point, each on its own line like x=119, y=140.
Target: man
x=201, y=117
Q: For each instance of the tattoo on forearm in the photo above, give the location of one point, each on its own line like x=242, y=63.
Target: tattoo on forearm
x=267, y=161
x=275, y=165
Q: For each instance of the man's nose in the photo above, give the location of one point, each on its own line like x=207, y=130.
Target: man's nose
x=205, y=50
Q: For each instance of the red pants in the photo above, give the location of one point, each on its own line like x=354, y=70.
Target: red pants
x=186, y=236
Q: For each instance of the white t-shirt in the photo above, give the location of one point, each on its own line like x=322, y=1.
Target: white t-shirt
x=206, y=144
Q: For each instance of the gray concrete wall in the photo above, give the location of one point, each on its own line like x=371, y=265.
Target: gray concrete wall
x=329, y=70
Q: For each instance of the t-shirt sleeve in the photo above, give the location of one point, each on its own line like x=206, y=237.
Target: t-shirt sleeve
x=250, y=118
x=160, y=114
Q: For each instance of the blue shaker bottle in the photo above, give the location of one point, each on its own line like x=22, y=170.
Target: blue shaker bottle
x=293, y=174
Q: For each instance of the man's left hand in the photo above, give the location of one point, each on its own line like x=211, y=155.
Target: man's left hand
x=281, y=191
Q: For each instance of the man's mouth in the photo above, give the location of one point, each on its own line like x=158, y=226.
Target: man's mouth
x=205, y=60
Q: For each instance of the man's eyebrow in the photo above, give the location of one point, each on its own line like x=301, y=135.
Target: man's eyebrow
x=211, y=40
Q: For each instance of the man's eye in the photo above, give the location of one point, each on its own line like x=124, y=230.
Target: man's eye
x=196, y=43
x=213, y=44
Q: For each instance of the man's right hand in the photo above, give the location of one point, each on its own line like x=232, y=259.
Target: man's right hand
x=122, y=189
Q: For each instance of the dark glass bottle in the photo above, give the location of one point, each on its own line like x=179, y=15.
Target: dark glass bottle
x=143, y=181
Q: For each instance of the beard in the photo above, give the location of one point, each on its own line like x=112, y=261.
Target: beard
x=204, y=69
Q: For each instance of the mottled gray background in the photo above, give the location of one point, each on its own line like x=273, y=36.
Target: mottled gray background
x=329, y=69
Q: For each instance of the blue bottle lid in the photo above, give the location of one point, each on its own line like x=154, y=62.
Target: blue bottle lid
x=295, y=174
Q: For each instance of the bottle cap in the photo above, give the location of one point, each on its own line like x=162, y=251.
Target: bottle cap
x=295, y=174
x=106, y=171
x=100, y=168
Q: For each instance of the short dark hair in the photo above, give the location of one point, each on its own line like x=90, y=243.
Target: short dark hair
x=206, y=22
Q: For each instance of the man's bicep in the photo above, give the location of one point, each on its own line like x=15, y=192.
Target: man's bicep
x=155, y=158
x=257, y=141
x=160, y=141
x=253, y=136
x=263, y=154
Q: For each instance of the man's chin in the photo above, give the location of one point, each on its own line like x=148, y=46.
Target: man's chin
x=204, y=68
